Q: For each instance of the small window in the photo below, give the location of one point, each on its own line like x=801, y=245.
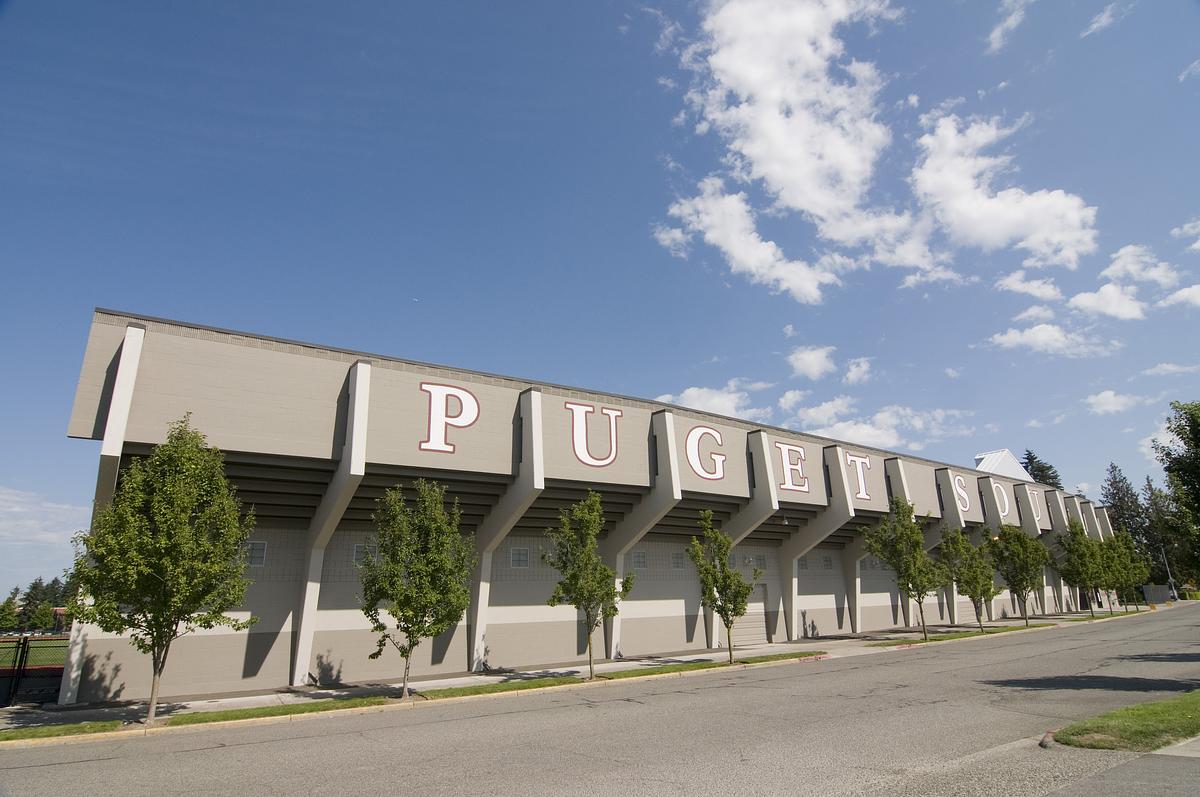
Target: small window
x=804, y=562
x=518, y=557
x=256, y=553
x=827, y=562
x=760, y=561
x=677, y=560
x=363, y=552
x=639, y=560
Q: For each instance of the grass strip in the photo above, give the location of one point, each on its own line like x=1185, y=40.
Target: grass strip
x=1143, y=727
x=799, y=654
x=943, y=637
x=1101, y=616
x=503, y=686
x=685, y=666
x=48, y=731
x=199, y=717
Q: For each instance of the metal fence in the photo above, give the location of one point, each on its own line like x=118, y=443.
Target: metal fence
x=31, y=668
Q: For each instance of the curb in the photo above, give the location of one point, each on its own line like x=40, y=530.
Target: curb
x=402, y=705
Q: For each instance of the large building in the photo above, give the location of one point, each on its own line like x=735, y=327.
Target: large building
x=312, y=436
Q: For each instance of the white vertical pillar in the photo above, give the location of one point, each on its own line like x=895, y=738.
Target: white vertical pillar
x=349, y=474
x=952, y=517
x=111, y=448
x=852, y=556
x=1028, y=511
x=528, y=484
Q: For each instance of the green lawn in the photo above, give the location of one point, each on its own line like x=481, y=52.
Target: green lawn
x=944, y=636
x=1100, y=615
x=198, y=717
x=662, y=669
x=800, y=654
x=504, y=686
x=47, y=731
x=1144, y=727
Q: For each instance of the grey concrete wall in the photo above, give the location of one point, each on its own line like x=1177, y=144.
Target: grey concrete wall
x=821, y=593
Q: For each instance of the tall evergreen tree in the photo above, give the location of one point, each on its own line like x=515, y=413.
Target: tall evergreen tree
x=1125, y=510
x=1041, y=470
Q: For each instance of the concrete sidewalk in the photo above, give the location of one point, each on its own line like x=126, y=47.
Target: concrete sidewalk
x=834, y=647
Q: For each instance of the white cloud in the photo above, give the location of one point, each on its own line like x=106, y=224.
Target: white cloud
x=1109, y=16
x=1013, y=12
x=858, y=371
x=29, y=518
x=825, y=413
x=955, y=179
x=1117, y=301
x=1083, y=488
x=1160, y=435
x=1107, y=402
x=1170, y=369
x=1052, y=339
x=1036, y=423
x=1183, y=295
x=726, y=221
x=912, y=100
x=1189, y=230
x=733, y=399
x=791, y=399
x=789, y=331
x=812, y=362
x=1035, y=314
x=1138, y=263
x=952, y=373
x=897, y=426
x=673, y=239
x=1191, y=70
x=1043, y=289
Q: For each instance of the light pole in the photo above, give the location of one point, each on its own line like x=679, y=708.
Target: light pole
x=1170, y=580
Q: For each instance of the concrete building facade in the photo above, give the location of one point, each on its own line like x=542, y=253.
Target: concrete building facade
x=312, y=436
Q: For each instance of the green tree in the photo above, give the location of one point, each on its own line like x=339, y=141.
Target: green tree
x=35, y=595
x=43, y=617
x=723, y=589
x=1125, y=510
x=1041, y=470
x=1081, y=565
x=1133, y=568
x=421, y=572
x=586, y=582
x=1180, y=453
x=167, y=556
x=1171, y=537
x=1112, y=566
x=897, y=539
x=970, y=568
x=8, y=614
x=1020, y=560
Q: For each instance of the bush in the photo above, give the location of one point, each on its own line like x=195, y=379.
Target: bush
x=1194, y=595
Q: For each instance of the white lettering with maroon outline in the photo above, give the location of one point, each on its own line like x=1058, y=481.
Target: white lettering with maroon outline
x=789, y=467
x=579, y=433
x=861, y=466
x=962, y=497
x=998, y=489
x=692, y=447
x=440, y=419
x=1034, y=495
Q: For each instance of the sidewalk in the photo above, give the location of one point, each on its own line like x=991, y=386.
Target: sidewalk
x=839, y=646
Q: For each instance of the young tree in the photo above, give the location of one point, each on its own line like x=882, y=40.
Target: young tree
x=1041, y=470
x=1080, y=566
x=35, y=595
x=167, y=556
x=970, y=568
x=1020, y=560
x=1133, y=569
x=1111, y=569
x=43, y=617
x=897, y=539
x=421, y=571
x=8, y=614
x=586, y=582
x=723, y=589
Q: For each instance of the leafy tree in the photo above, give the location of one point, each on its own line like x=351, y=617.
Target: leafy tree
x=421, y=572
x=1132, y=568
x=8, y=614
x=1020, y=560
x=1112, y=566
x=723, y=589
x=1081, y=565
x=1180, y=456
x=1171, y=538
x=35, y=595
x=970, y=568
x=43, y=617
x=897, y=539
x=586, y=582
x=1041, y=470
x=167, y=556
x=1125, y=510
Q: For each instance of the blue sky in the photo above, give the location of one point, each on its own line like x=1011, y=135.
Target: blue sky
x=941, y=227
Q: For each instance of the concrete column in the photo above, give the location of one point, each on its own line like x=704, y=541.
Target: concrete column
x=528, y=483
x=1029, y=511
x=1090, y=521
x=836, y=515
x=1075, y=512
x=1057, y=510
x=665, y=493
x=113, y=444
x=349, y=474
x=952, y=517
x=1104, y=523
x=852, y=556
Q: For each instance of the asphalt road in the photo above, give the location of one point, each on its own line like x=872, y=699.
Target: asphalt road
x=959, y=718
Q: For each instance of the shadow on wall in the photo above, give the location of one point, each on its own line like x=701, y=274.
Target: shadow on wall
x=1111, y=683
x=328, y=674
x=808, y=626
x=98, y=680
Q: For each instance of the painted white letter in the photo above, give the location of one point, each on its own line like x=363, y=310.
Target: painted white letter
x=793, y=471
x=1035, y=498
x=1001, y=496
x=961, y=496
x=692, y=446
x=861, y=466
x=440, y=418
x=579, y=433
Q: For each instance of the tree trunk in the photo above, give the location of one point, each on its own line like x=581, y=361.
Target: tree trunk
x=729, y=638
x=591, y=665
x=921, y=613
x=978, y=613
x=404, y=688
x=1091, y=601
x=1109, y=595
x=158, y=664
x=1025, y=609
